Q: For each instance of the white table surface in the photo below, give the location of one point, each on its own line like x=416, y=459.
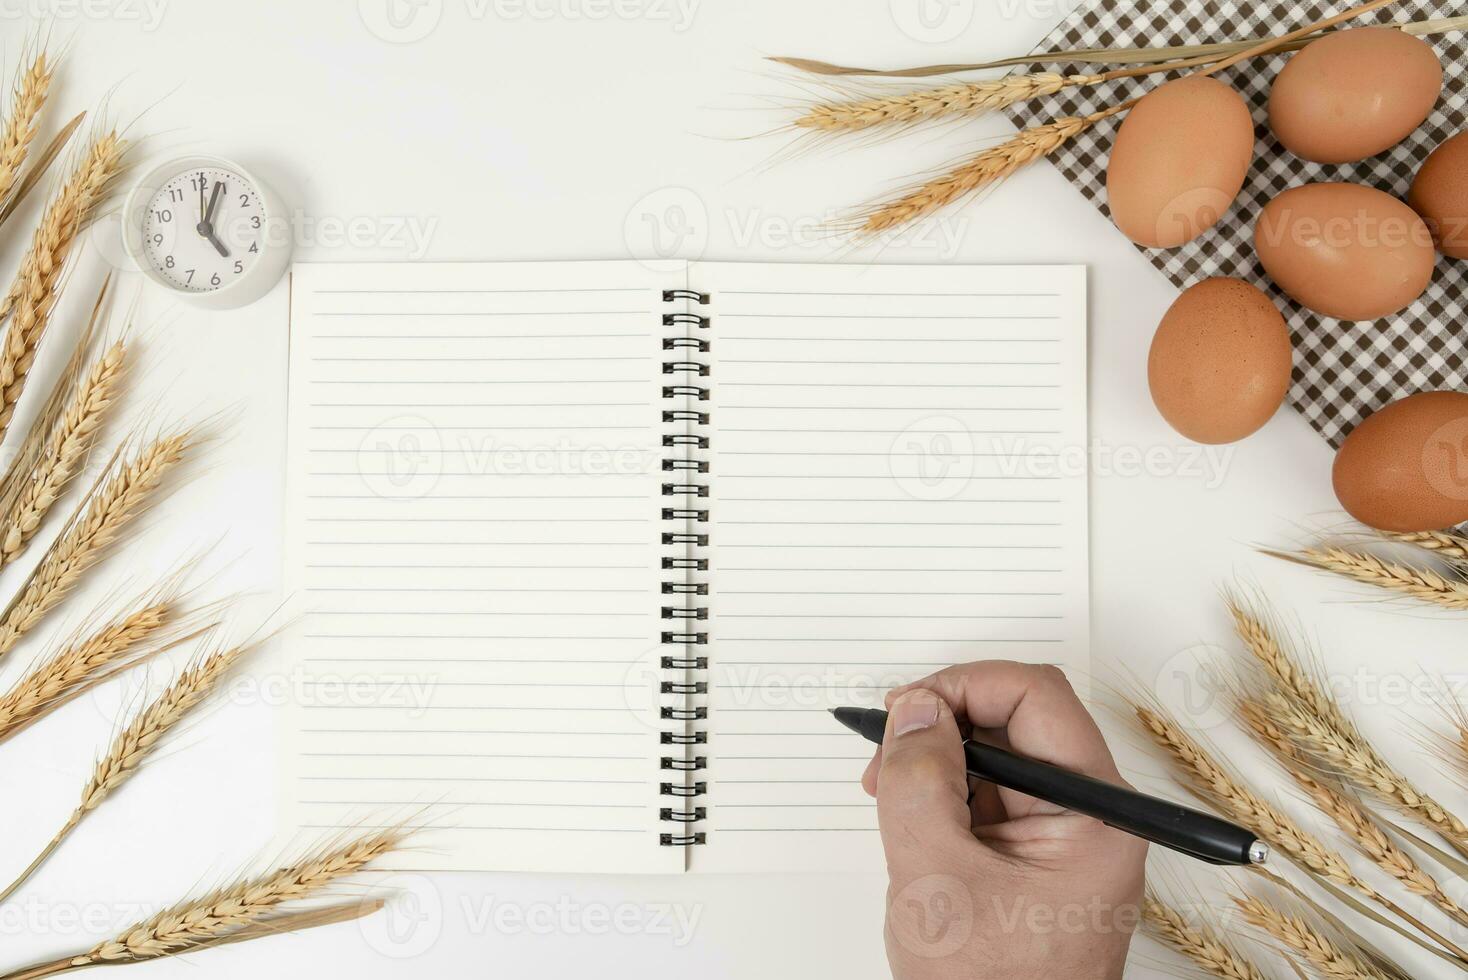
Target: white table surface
x=566, y=129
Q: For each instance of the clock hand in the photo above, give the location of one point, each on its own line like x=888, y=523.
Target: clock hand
x=203, y=226
x=206, y=226
x=213, y=202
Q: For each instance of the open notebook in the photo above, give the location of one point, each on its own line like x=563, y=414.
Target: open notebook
x=582, y=552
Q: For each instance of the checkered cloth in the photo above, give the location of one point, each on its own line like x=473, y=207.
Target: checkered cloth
x=1343, y=371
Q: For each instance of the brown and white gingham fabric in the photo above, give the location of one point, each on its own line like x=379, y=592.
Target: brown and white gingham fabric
x=1343, y=371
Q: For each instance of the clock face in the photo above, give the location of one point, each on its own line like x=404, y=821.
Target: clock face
x=204, y=229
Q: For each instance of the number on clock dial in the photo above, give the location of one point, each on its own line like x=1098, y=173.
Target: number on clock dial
x=204, y=229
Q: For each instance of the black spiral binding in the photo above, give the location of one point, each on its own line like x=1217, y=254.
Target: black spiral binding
x=684, y=671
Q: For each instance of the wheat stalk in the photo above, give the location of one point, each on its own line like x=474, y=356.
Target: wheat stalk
x=1419, y=583
x=81, y=664
x=90, y=532
x=1200, y=944
x=1349, y=815
x=70, y=442
x=1450, y=546
x=1308, y=942
x=135, y=743
x=20, y=126
x=965, y=99
x=1105, y=56
x=247, y=910
x=33, y=294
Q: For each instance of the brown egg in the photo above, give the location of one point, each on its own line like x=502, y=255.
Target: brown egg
x=1344, y=250
x=1440, y=195
x=1220, y=361
x=1406, y=467
x=1354, y=93
x=1178, y=161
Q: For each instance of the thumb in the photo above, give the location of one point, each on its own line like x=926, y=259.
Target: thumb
x=922, y=788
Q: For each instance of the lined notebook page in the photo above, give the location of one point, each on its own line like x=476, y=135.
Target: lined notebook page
x=473, y=549
x=898, y=485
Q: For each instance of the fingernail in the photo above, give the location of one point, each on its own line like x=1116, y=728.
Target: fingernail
x=914, y=711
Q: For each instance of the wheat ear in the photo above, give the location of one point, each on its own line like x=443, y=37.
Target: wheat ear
x=118, y=645
x=28, y=455
x=980, y=171
x=133, y=745
x=968, y=99
x=1349, y=815
x=1200, y=944
x=70, y=442
x=245, y=903
x=1284, y=669
x=33, y=294
x=1450, y=546
x=1306, y=941
x=1418, y=583
x=1039, y=142
x=91, y=531
x=250, y=909
x=965, y=99
x=20, y=126
x=1221, y=787
x=1316, y=723
x=1363, y=767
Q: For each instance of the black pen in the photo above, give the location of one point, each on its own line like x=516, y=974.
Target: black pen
x=1192, y=832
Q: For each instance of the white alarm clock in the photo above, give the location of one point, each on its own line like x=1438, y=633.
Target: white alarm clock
x=208, y=230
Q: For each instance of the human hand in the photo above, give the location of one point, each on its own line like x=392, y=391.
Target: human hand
x=995, y=884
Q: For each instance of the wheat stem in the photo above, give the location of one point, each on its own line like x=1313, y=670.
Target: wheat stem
x=71, y=440
x=1104, y=56
x=91, y=531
